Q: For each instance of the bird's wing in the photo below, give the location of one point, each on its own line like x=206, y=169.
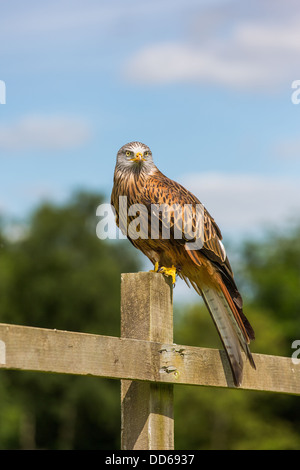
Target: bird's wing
x=185, y=214
x=180, y=204
x=202, y=237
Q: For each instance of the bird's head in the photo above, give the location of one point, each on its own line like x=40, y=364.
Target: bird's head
x=135, y=157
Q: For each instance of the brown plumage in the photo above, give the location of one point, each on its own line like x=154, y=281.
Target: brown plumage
x=187, y=238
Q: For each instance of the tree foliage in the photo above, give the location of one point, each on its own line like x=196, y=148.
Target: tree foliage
x=234, y=419
x=60, y=275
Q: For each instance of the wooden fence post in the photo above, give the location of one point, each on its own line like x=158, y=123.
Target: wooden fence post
x=147, y=421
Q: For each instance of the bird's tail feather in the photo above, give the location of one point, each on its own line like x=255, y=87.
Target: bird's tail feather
x=230, y=327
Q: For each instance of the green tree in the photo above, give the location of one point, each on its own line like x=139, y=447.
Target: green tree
x=60, y=275
x=272, y=272
x=234, y=419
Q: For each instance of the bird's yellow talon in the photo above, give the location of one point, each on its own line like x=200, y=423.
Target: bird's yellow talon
x=164, y=270
x=169, y=272
x=156, y=267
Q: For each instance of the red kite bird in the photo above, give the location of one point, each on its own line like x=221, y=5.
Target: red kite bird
x=179, y=236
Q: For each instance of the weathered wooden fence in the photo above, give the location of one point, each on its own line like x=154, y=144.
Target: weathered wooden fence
x=144, y=358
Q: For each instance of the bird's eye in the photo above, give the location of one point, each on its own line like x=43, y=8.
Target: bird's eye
x=146, y=154
x=128, y=153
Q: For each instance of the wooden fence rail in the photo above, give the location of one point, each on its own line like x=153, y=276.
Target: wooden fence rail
x=144, y=358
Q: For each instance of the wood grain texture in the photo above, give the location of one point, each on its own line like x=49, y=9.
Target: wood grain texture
x=144, y=358
x=147, y=421
x=45, y=350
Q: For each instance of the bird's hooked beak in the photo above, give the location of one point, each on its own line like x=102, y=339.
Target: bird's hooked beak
x=138, y=158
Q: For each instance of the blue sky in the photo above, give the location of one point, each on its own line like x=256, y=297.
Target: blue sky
x=206, y=84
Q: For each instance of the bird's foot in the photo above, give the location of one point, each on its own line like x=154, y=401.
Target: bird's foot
x=156, y=268
x=166, y=271
x=169, y=272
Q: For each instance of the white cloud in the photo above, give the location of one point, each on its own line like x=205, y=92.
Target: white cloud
x=239, y=44
x=43, y=132
x=167, y=63
x=66, y=19
x=229, y=44
x=246, y=204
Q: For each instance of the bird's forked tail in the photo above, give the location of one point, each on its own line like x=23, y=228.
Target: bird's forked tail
x=232, y=327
